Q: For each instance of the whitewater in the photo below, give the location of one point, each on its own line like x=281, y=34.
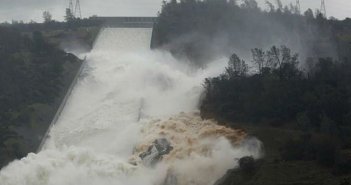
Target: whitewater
x=126, y=97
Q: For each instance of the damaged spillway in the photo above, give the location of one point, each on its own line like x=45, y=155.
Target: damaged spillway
x=132, y=119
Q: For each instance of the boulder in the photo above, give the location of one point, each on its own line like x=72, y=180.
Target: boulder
x=247, y=164
x=156, y=151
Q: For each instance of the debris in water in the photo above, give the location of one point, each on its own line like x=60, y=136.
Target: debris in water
x=155, y=152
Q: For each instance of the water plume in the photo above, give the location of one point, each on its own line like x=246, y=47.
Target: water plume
x=126, y=97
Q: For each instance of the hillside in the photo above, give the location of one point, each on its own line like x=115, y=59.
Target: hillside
x=286, y=83
x=35, y=75
x=201, y=31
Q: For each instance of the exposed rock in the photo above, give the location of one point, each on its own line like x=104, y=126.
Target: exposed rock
x=159, y=148
x=227, y=179
x=247, y=167
x=247, y=164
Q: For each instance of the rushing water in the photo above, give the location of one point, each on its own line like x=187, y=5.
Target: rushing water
x=127, y=97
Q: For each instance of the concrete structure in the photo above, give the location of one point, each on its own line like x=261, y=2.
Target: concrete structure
x=114, y=22
x=128, y=22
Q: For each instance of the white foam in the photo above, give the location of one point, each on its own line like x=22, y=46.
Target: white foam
x=123, y=82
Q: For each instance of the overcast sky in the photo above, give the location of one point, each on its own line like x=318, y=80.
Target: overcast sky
x=32, y=9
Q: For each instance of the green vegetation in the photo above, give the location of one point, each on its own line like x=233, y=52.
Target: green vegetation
x=273, y=169
x=317, y=99
x=34, y=76
x=297, y=104
x=295, y=96
x=314, y=105
x=61, y=34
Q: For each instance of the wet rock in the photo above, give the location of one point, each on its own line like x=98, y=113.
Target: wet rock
x=156, y=151
x=228, y=178
x=247, y=164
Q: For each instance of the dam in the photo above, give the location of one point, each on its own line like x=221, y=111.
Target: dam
x=127, y=22
x=125, y=98
x=106, y=22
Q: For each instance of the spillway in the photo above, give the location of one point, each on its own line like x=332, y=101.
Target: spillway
x=126, y=98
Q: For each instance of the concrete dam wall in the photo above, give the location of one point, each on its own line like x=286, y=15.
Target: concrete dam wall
x=127, y=22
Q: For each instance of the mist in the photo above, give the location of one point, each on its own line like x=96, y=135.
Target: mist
x=126, y=98
x=226, y=28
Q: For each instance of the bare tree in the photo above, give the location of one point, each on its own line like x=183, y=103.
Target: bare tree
x=281, y=58
x=258, y=57
x=236, y=67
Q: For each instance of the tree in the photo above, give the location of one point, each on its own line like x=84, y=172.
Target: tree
x=270, y=6
x=250, y=4
x=309, y=14
x=236, y=67
x=32, y=81
x=47, y=17
x=279, y=5
x=258, y=57
x=274, y=57
x=288, y=57
x=294, y=9
x=279, y=56
x=69, y=17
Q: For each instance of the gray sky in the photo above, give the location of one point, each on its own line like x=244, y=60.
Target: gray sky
x=32, y=9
